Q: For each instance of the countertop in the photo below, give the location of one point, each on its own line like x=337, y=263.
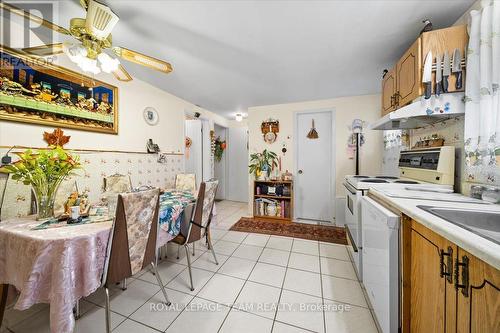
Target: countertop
x=478, y=246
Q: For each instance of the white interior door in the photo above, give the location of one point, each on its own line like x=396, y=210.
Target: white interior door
x=314, y=185
x=237, y=164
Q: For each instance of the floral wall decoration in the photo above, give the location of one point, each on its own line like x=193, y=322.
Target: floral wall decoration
x=220, y=146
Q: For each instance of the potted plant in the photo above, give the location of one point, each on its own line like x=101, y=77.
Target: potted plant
x=261, y=164
x=44, y=170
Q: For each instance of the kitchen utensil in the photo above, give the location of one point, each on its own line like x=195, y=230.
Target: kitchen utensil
x=427, y=76
x=457, y=68
x=439, y=76
x=446, y=70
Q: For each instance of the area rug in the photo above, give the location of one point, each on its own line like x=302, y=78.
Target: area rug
x=291, y=229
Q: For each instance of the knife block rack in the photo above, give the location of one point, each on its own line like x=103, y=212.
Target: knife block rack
x=463, y=65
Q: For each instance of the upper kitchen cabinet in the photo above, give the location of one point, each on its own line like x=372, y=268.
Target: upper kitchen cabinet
x=407, y=74
x=389, y=92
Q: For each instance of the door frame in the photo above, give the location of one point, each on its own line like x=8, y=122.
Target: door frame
x=332, y=162
x=226, y=178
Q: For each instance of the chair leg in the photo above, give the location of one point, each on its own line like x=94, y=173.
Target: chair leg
x=193, y=248
x=160, y=282
x=178, y=249
x=4, y=288
x=77, y=310
x=189, y=266
x=124, y=284
x=212, y=249
x=108, y=311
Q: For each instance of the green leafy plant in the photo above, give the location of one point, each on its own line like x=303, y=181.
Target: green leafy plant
x=44, y=170
x=262, y=162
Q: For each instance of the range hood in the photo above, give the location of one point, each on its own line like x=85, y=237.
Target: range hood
x=423, y=112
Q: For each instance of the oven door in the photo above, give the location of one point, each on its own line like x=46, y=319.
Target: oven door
x=352, y=226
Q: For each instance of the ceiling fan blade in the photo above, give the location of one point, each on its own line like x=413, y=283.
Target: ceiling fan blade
x=45, y=50
x=34, y=18
x=122, y=75
x=143, y=59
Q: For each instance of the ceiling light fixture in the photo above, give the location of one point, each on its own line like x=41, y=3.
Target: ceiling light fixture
x=80, y=56
x=239, y=117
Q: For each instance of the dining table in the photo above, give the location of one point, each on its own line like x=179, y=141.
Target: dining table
x=61, y=263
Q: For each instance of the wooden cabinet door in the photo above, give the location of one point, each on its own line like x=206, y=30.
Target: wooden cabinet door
x=432, y=295
x=409, y=75
x=388, y=92
x=478, y=310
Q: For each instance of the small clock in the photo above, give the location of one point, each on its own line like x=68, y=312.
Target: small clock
x=151, y=116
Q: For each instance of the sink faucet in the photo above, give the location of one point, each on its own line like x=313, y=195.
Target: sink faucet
x=486, y=193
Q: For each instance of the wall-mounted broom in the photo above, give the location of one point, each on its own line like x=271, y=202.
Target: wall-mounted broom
x=313, y=134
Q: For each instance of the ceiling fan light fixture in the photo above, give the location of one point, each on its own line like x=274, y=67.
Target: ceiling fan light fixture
x=108, y=64
x=100, y=20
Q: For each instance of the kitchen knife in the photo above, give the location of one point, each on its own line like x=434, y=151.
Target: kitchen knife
x=427, y=76
x=439, y=76
x=457, y=68
x=446, y=70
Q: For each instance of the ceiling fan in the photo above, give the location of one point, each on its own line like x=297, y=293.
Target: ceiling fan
x=93, y=35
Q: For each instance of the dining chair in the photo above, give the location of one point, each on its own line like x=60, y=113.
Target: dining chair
x=196, y=222
x=17, y=199
x=112, y=186
x=185, y=182
x=132, y=242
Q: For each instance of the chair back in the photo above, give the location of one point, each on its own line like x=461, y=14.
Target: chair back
x=117, y=183
x=185, y=182
x=132, y=243
x=16, y=198
x=203, y=209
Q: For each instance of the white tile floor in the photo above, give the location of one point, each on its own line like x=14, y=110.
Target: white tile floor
x=262, y=284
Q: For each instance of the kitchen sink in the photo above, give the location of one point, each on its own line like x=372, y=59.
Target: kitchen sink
x=483, y=223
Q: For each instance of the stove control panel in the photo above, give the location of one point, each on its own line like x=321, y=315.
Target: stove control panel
x=420, y=159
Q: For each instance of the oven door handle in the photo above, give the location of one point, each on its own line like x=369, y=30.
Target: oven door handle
x=349, y=238
x=351, y=189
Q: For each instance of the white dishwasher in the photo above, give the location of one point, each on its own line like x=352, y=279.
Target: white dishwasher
x=380, y=237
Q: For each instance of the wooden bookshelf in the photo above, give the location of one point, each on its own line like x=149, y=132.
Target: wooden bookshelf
x=263, y=197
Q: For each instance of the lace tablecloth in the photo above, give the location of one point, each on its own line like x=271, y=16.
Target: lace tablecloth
x=61, y=265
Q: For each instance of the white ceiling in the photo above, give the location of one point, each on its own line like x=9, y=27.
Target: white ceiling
x=230, y=55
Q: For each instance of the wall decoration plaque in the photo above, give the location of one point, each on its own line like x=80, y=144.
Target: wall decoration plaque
x=270, y=129
x=151, y=116
x=33, y=90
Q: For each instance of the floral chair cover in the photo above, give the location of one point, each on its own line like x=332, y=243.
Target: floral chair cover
x=208, y=200
x=185, y=182
x=134, y=231
x=112, y=186
x=16, y=200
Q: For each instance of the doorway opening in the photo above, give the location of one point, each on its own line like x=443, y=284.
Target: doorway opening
x=197, y=155
x=220, y=166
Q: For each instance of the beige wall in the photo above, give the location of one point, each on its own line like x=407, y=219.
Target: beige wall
x=346, y=109
x=133, y=131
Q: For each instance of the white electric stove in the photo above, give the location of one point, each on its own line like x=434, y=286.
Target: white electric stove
x=430, y=168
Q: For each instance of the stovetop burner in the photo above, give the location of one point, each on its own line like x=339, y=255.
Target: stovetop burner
x=374, y=180
x=358, y=176
x=386, y=177
x=406, y=182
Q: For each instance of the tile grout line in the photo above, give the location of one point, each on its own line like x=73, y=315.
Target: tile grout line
x=244, y=284
x=282, y=284
x=321, y=284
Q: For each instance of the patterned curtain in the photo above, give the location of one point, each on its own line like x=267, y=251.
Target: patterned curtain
x=482, y=105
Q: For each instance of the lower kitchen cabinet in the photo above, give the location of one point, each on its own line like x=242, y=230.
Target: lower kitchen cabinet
x=444, y=288
x=478, y=306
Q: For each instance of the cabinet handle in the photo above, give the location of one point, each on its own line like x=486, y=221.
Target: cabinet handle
x=449, y=264
x=464, y=286
x=393, y=100
x=396, y=98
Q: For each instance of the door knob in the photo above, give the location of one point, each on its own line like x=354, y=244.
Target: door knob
x=300, y=172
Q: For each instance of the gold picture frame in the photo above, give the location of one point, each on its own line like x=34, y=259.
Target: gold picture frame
x=35, y=91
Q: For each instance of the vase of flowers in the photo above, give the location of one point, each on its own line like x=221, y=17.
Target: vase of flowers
x=261, y=164
x=44, y=170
